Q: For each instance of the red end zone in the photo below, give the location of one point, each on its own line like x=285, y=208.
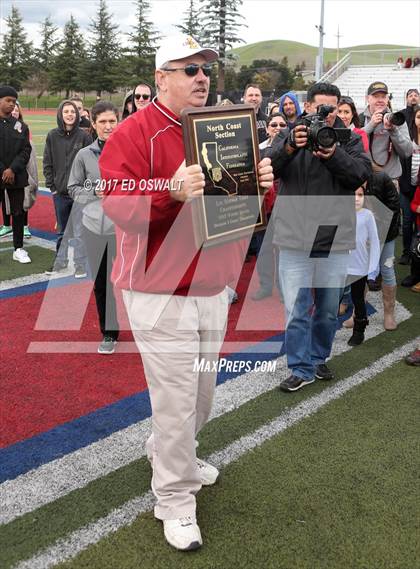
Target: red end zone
x=43, y=390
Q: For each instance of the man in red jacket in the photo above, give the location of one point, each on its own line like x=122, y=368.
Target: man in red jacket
x=174, y=291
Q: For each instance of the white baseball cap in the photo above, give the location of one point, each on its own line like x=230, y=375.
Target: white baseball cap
x=180, y=46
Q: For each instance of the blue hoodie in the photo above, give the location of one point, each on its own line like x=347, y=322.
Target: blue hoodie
x=293, y=97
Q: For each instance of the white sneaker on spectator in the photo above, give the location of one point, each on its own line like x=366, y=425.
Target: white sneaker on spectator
x=183, y=533
x=208, y=473
x=21, y=256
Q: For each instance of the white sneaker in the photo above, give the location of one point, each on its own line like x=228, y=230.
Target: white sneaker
x=208, y=473
x=183, y=533
x=21, y=256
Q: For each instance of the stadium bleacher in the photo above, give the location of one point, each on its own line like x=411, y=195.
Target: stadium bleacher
x=356, y=79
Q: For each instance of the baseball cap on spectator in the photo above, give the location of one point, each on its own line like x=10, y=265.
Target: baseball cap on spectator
x=377, y=87
x=180, y=46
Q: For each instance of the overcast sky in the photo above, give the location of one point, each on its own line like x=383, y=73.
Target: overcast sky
x=360, y=21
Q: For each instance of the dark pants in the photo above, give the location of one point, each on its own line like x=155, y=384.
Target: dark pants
x=62, y=205
x=358, y=297
x=101, y=251
x=15, y=196
x=7, y=217
x=408, y=221
x=415, y=268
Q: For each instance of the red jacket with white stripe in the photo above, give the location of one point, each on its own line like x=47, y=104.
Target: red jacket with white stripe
x=156, y=250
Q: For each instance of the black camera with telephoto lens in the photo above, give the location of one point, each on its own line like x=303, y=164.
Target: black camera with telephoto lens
x=396, y=119
x=320, y=135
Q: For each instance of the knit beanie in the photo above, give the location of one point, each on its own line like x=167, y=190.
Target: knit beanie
x=8, y=91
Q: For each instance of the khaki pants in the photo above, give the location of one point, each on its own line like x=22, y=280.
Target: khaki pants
x=172, y=334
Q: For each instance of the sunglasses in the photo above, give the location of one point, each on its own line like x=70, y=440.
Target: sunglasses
x=138, y=96
x=346, y=100
x=192, y=69
x=277, y=124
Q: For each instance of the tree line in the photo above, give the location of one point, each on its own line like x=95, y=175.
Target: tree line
x=102, y=63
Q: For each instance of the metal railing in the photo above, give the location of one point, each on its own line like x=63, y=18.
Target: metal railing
x=338, y=69
x=368, y=57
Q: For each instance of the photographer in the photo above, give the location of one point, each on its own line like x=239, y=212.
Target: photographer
x=388, y=142
x=314, y=230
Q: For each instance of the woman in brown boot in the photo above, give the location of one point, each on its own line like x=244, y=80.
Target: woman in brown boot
x=382, y=187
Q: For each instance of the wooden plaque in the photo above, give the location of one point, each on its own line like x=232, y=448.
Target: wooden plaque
x=224, y=141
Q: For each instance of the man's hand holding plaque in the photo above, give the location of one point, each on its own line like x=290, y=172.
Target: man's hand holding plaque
x=190, y=181
x=265, y=174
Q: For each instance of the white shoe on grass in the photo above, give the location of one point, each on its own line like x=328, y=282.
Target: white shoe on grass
x=21, y=256
x=208, y=473
x=183, y=533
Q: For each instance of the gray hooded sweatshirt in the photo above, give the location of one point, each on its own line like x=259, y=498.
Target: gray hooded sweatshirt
x=85, y=168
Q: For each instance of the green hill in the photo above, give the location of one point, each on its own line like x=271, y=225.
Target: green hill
x=297, y=52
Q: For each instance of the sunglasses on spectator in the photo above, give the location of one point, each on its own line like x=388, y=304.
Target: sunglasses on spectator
x=277, y=124
x=138, y=96
x=192, y=69
x=346, y=100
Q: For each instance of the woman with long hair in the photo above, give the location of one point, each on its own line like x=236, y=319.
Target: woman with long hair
x=408, y=183
x=348, y=114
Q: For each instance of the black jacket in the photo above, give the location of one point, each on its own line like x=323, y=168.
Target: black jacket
x=261, y=119
x=380, y=185
x=60, y=149
x=315, y=209
x=15, y=149
x=406, y=187
x=408, y=112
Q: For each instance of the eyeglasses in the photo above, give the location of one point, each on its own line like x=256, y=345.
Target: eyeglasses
x=277, y=124
x=192, y=69
x=138, y=96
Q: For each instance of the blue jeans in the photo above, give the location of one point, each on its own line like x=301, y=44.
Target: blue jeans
x=305, y=283
x=386, y=264
x=64, y=213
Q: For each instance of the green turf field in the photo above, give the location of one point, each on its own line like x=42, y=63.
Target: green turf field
x=339, y=490
x=39, y=125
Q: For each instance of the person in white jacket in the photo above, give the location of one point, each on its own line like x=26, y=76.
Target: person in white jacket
x=363, y=260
